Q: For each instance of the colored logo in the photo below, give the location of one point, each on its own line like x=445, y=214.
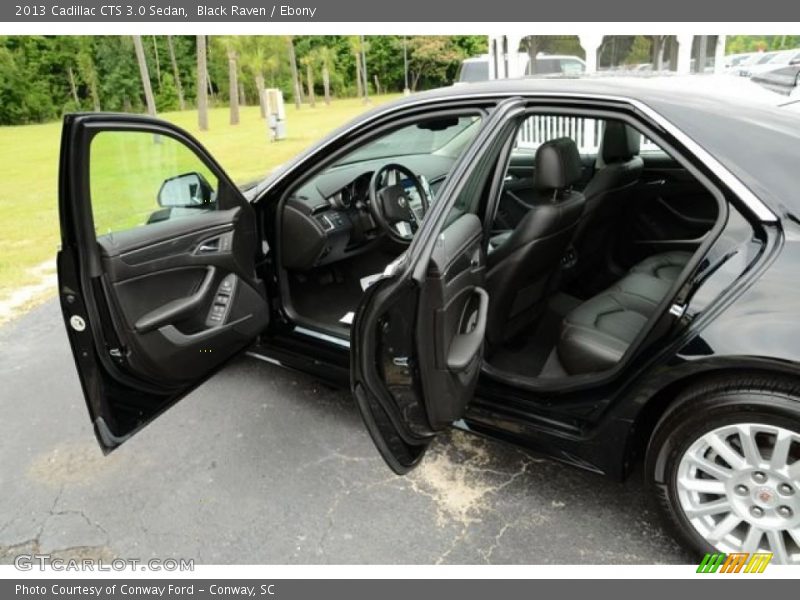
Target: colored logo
x=738, y=562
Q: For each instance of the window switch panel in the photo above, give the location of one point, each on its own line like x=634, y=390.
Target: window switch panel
x=220, y=307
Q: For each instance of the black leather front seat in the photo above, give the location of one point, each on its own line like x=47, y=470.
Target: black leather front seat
x=522, y=262
x=619, y=168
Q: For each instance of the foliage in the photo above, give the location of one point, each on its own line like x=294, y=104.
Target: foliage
x=751, y=43
x=641, y=51
x=40, y=76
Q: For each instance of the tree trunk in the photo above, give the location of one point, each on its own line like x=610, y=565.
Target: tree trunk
x=145, y=75
x=262, y=101
x=364, y=70
x=377, y=84
x=233, y=87
x=312, y=100
x=702, y=51
x=73, y=88
x=415, y=79
x=298, y=93
x=96, y=95
x=158, y=63
x=359, y=84
x=202, y=84
x=175, y=73
x=326, y=83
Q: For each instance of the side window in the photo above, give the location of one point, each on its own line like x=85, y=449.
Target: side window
x=138, y=178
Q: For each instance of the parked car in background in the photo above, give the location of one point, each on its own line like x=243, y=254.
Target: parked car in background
x=734, y=60
x=769, y=62
x=783, y=81
x=477, y=68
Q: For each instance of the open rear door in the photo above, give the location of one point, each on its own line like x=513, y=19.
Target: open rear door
x=417, y=338
x=156, y=269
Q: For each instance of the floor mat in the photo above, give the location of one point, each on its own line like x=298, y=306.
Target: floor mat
x=527, y=354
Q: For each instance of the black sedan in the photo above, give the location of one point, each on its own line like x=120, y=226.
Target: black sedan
x=599, y=271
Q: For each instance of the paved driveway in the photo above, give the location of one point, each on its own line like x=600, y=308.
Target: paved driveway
x=261, y=465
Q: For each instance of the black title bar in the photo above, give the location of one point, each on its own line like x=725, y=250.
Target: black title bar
x=450, y=11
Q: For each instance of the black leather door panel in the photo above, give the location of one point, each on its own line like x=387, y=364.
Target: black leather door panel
x=162, y=294
x=669, y=210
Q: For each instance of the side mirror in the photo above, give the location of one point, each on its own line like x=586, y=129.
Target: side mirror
x=795, y=62
x=190, y=190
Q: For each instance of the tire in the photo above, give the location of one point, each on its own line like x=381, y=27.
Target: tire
x=723, y=467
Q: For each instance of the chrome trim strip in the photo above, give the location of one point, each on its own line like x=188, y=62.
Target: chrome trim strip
x=759, y=209
x=323, y=336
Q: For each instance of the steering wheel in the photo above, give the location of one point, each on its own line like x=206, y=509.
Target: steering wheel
x=390, y=203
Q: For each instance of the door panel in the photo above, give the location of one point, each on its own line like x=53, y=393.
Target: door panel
x=168, y=292
x=453, y=306
x=428, y=342
x=669, y=210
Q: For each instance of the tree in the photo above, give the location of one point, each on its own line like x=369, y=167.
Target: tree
x=176, y=73
x=89, y=73
x=298, y=94
x=355, y=48
x=640, y=52
x=202, y=84
x=308, y=63
x=430, y=56
x=326, y=58
x=233, y=83
x=167, y=97
x=144, y=73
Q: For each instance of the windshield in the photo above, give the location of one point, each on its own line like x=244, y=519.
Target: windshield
x=427, y=137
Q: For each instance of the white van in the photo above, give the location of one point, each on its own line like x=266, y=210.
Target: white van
x=477, y=68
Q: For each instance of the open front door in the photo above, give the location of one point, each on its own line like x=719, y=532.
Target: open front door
x=156, y=269
x=417, y=338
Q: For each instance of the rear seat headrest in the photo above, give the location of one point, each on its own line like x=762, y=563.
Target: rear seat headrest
x=620, y=142
x=558, y=164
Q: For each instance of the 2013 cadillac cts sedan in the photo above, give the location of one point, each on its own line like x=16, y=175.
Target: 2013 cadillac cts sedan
x=600, y=271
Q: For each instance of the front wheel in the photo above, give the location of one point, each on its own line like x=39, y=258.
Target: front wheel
x=724, y=468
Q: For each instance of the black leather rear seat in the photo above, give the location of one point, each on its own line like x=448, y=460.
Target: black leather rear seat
x=596, y=334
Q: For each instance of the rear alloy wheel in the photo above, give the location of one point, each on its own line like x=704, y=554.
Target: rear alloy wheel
x=725, y=467
x=738, y=489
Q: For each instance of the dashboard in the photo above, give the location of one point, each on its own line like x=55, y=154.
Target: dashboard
x=328, y=218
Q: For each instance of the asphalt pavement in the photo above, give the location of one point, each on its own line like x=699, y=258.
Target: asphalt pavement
x=265, y=466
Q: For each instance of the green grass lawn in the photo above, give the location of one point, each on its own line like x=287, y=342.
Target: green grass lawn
x=29, y=171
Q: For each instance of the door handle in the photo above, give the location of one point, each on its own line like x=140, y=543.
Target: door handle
x=466, y=346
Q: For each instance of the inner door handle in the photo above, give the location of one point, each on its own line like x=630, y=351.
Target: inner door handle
x=466, y=346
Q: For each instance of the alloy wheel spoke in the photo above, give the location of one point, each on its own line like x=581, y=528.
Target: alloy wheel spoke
x=749, y=447
x=728, y=454
x=703, y=486
x=753, y=539
x=711, y=468
x=780, y=453
x=714, y=507
x=777, y=546
x=724, y=527
x=794, y=471
x=795, y=533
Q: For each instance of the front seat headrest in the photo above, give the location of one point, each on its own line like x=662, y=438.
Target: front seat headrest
x=558, y=165
x=620, y=142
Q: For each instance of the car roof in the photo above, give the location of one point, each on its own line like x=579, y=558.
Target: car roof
x=737, y=121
